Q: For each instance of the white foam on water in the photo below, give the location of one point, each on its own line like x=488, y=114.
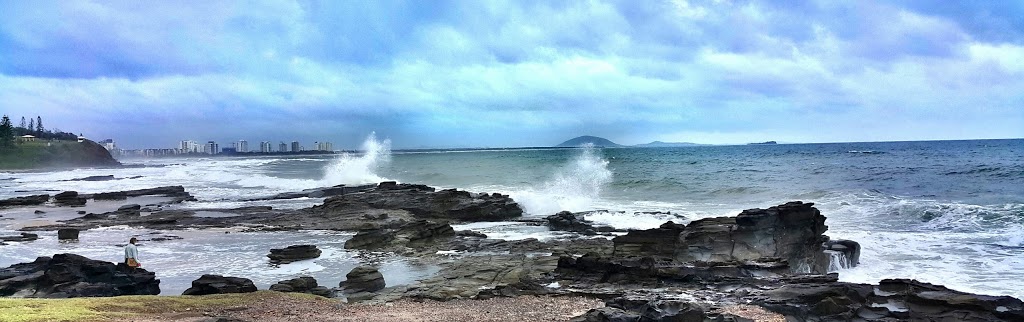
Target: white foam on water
x=574, y=187
x=359, y=169
x=632, y=220
x=971, y=248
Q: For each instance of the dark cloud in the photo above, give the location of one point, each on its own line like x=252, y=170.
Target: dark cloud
x=496, y=73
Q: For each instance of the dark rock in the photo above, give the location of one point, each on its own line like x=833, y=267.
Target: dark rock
x=216, y=284
x=896, y=299
x=843, y=253
x=607, y=314
x=69, y=275
x=416, y=234
x=25, y=201
x=81, y=212
x=94, y=178
x=67, y=234
x=363, y=279
x=569, y=221
x=303, y=284
x=293, y=253
x=69, y=198
x=39, y=212
x=20, y=238
x=423, y=202
x=131, y=207
x=470, y=233
x=117, y=195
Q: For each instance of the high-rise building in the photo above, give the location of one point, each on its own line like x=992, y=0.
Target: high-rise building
x=296, y=147
x=265, y=147
x=324, y=146
x=282, y=147
x=242, y=146
x=212, y=148
x=188, y=146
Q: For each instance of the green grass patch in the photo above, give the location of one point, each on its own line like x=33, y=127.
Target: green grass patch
x=120, y=307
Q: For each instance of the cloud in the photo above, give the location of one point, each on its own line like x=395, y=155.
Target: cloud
x=500, y=73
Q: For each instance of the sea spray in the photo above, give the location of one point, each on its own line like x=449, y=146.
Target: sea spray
x=575, y=186
x=359, y=169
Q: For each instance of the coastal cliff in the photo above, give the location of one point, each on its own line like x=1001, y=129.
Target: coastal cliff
x=55, y=154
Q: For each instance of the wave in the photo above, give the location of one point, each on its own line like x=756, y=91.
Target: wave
x=362, y=168
x=865, y=152
x=575, y=186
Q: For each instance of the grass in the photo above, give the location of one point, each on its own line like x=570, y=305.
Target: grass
x=118, y=308
x=38, y=154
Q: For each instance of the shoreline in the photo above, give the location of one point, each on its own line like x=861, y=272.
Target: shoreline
x=625, y=269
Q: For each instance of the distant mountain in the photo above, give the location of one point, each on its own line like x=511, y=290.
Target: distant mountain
x=596, y=141
x=764, y=143
x=659, y=144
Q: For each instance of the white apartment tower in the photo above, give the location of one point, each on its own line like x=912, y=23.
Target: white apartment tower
x=242, y=146
x=265, y=147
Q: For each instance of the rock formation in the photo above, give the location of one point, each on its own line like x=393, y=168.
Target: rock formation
x=361, y=282
x=216, y=284
x=305, y=284
x=425, y=203
x=69, y=275
x=33, y=200
x=293, y=253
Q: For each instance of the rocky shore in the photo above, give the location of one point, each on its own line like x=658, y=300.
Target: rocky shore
x=774, y=262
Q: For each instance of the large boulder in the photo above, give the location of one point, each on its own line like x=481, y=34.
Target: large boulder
x=70, y=275
x=305, y=284
x=424, y=202
x=363, y=279
x=293, y=253
x=790, y=234
x=69, y=198
x=216, y=284
x=67, y=234
x=25, y=201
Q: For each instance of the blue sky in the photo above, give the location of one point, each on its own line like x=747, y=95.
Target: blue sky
x=515, y=73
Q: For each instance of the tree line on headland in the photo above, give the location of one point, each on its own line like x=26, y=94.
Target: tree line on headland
x=34, y=127
x=46, y=148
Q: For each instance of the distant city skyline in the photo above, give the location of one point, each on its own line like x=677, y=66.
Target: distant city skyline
x=512, y=73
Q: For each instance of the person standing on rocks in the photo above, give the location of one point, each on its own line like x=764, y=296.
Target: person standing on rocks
x=131, y=254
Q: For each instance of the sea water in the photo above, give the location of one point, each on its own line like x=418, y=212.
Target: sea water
x=946, y=212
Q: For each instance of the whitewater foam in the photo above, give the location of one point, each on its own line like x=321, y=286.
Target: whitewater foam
x=350, y=168
x=574, y=186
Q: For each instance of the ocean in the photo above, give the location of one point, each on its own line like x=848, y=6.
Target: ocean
x=945, y=212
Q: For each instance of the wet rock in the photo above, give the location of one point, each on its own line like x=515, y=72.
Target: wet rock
x=94, y=178
x=569, y=221
x=361, y=282
x=178, y=194
x=293, y=253
x=39, y=212
x=217, y=284
x=69, y=198
x=67, y=234
x=117, y=195
x=423, y=202
x=416, y=234
x=20, y=238
x=485, y=276
x=69, y=275
x=25, y=201
x=305, y=284
x=319, y=192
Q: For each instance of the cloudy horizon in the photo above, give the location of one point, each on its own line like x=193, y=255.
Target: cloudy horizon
x=515, y=73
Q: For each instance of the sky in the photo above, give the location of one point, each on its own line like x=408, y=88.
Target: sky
x=515, y=73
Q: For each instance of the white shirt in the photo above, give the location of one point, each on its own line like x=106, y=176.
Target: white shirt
x=131, y=251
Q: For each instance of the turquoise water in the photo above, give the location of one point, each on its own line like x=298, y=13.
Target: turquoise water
x=948, y=212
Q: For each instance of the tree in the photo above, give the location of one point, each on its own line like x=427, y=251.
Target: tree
x=22, y=122
x=31, y=125
x=39, y=125
x=6, y=133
